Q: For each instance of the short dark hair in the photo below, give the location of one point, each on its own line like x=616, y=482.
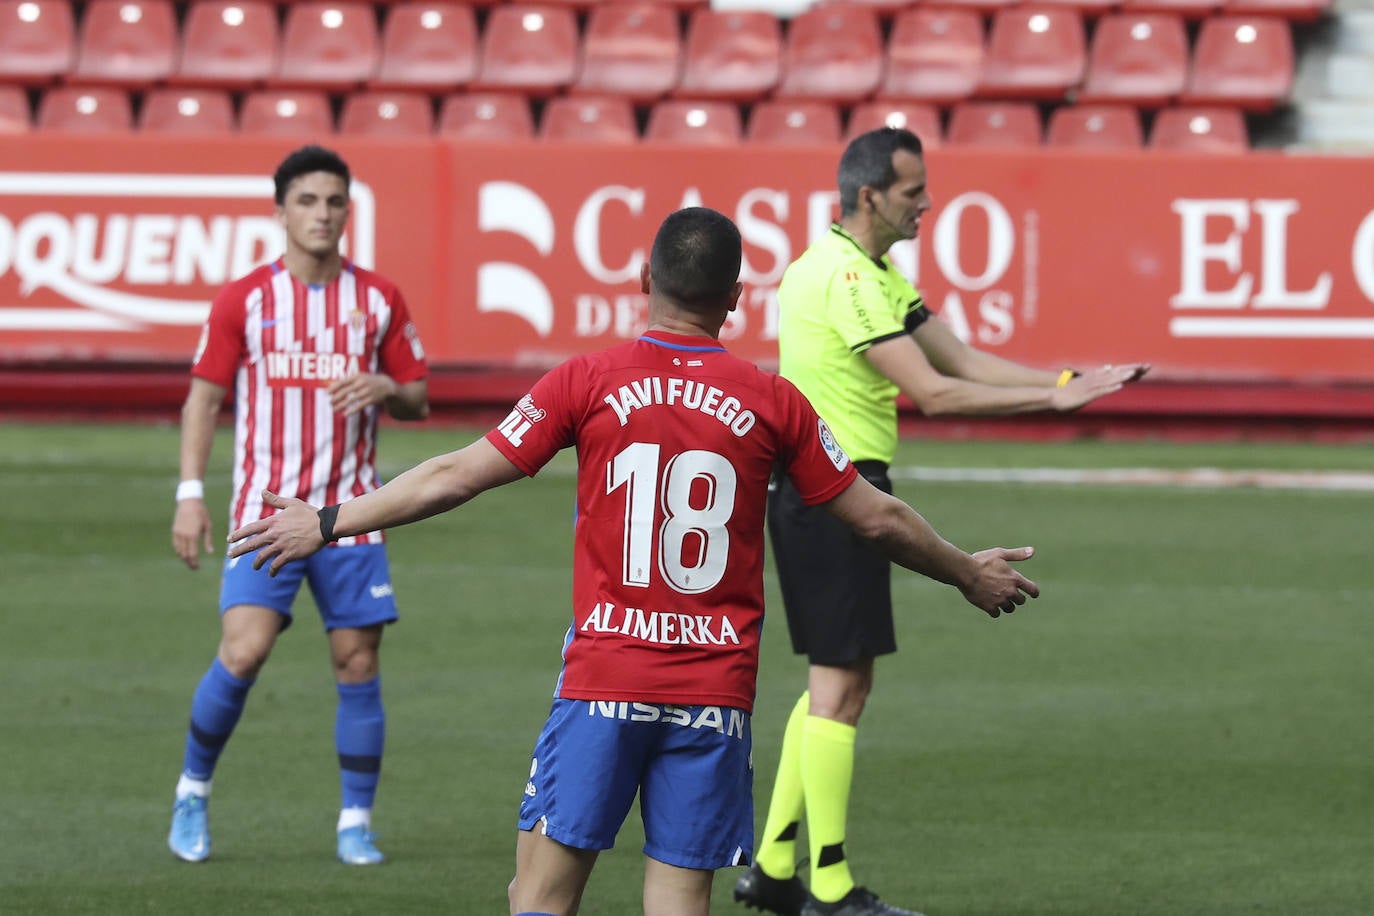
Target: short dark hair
x=867, y=160
x=305, y=160
x=696, y=258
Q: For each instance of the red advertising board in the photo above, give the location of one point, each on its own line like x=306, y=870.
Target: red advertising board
x=1213, y=268
x=112, y=248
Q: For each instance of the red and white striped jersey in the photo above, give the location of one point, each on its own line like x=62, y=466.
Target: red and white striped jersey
x=281, y=343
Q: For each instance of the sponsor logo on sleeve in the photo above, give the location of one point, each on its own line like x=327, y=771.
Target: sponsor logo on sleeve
x=519, y=420
x=832, y=448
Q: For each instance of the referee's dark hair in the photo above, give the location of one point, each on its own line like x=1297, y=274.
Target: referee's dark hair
x=867, y=161
x=696, y=258
x=305, y=160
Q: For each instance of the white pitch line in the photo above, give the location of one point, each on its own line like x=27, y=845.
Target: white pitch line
x=1215, y=478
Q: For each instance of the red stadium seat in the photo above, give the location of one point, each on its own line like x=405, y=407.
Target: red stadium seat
x=1241, y=60
x=328, y=45
x=921, y=119
x=126, y=42
x=731, y=55
x=1097, y=127
x=782, y=122
x=934, y=55
x=14, y=110
x=1188, y=9
x=528, y=48
x=994, y=124
x=1138, y=59
x=498, y=116
x=709, y=123
x=631, y=49
x=832, y=53
x=286, y=112
x=1037, y=53
x=1200, y=130
x=578, y=7
x=594, y=120
x=229, y=43
x=37, y=40
x=381, y=113
x=1296, y=10
x=88, y=109
x=1089, y=8
x=886, y=8
x=987, y=7
x=428, y=46
x=186, y=111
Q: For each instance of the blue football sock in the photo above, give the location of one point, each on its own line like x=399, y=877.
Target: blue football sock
x=359, y=734
x=215, y=710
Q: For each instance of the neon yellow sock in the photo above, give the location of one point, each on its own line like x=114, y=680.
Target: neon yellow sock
x=827, y=770
x=777, y=851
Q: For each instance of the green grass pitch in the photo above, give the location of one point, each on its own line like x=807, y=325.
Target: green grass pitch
x=1180, y=725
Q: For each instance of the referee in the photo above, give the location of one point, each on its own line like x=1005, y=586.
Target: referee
x=853, y=333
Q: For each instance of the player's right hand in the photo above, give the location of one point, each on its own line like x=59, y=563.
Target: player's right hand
x=291, y=534
x=191, y=531
x=996, y=588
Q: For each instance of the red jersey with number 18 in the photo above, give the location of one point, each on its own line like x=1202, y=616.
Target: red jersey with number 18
x=676, y=440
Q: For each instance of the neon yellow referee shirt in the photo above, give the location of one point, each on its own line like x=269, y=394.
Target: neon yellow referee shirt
x=836, y=301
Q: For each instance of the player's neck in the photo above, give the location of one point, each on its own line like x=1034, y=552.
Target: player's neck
x=685, y=324
x=314, y=270
x=866, y=234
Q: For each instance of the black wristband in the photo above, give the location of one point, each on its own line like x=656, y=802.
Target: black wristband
x=327, y=516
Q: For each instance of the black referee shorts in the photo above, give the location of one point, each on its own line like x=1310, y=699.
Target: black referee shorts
x=837, y=590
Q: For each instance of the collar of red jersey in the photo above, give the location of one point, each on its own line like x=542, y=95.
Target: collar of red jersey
x=690, y=342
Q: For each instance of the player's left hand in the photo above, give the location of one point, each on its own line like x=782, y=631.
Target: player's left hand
x=291, y=534
x=358, y=392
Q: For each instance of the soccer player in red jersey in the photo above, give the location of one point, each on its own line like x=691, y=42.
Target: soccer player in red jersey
x=315, y=348
x=675, y=443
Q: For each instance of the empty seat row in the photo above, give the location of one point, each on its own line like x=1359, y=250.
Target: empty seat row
x=634, y=49
x=507, y=117
x=1297, y=10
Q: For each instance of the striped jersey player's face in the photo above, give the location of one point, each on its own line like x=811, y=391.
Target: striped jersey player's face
x=315, y=212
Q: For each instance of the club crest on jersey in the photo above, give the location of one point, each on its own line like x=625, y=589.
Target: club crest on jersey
x=357, y=320
x=832, y=448
x=308, y=370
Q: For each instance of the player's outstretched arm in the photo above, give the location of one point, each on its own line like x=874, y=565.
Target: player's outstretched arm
x=986, y=579
x=439, y=484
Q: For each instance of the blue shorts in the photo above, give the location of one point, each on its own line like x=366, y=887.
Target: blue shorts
x=351, y=586
x=691, y=765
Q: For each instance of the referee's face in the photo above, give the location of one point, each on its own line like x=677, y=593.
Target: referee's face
x=897, y=211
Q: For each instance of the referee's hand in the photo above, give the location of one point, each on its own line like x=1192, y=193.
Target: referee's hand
x=997, y=588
